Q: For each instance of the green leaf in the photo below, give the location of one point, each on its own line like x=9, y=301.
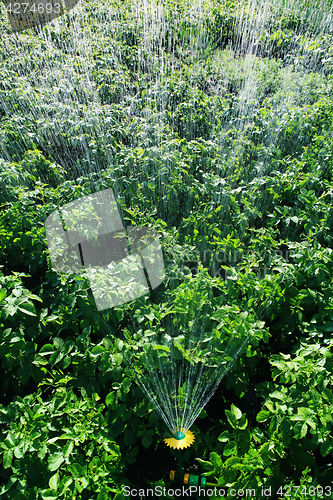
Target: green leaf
x=97, y=350
x=38, y=374
x=162, y=347
x=131, y=455
x=49, y=495
x=312, y=423
x=119, y=344
x=236, y=411
x=3, y=294
x=278, y=395
x=120, y=496
x=231, y=419
x=75, y=469
x=66, y=361
x=54, y=481
x=126, y=385
x=12, y=480
x=224, y=437
x=325, y=448
x=55, y=461
x=56, y=357
x=242, y=423
x=232, y=461
x=205, y=464
x=118, y=358
x=18, y=452
x=176, y=353
x=84, y=482
x=34, y=297
x=7, y=458
x=110, y=398
x=42, y=452
x=47, y=349
x=86, y=332
x=147, y=440
x=328, y=327
x=78, y=485
x=304, y=430
x=39, y=360
x=215, y=459
x=230, y=449
x=15, y=339
x=10, y=439
x=59, y=344
x=27, y=308
x=270, y=406
x=262, y=416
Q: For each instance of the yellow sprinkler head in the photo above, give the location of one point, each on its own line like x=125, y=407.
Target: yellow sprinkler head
x=181, y=439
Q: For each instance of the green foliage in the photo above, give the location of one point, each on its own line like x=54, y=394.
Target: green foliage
x=296, y=426
x=46, y=444
x=225, y=149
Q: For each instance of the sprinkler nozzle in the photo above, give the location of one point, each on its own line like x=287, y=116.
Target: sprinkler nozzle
x=179, y=435
x=182, y=439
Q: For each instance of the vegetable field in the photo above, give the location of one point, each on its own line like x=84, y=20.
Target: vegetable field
x=227, y=153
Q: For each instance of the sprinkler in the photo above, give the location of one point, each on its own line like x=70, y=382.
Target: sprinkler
x=182, y=439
